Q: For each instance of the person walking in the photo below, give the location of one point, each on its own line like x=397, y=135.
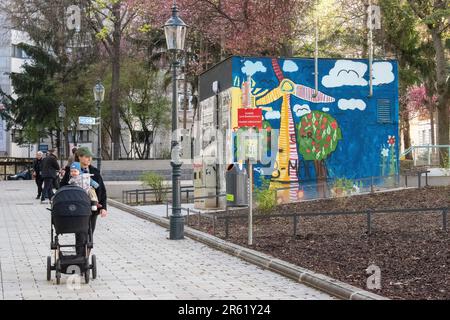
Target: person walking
x=37, y=173
x=49, y=169
x=84, y=157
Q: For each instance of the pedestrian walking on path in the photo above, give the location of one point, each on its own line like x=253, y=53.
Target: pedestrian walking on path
x=37, y=173
x=84, y=157
x=49, y=169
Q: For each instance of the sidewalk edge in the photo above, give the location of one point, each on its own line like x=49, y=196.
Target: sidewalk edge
x=319, y=281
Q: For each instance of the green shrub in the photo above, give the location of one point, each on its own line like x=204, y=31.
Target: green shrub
x=156, y=182
x=265, y=197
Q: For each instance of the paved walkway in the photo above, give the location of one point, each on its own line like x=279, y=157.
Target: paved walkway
x=135, y=260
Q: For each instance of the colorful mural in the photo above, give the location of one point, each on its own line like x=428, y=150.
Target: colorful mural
x=336, y=132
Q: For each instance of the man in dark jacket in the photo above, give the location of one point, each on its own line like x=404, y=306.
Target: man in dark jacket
x=84, y=156
x=37, y=173
x=49, y=169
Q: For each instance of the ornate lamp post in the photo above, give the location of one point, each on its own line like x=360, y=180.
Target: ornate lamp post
x=175, y=31
x=99, y=96
x=62, y=116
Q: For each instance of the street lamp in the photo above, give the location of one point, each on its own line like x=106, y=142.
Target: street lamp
x=61, y=115
x=99, y=96
x=175, y=31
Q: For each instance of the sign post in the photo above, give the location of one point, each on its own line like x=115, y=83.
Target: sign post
x=250, y=202
x=250, y=118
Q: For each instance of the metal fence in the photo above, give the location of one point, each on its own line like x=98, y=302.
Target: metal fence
x=332, y=188
x=148, y=196
x=427, y=155
x=296, y=217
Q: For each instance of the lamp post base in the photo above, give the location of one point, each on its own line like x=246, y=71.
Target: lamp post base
x=176, y=219
x=176, y=227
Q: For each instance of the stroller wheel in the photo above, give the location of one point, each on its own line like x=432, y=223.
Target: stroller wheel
x=49, y=268
x=94, y=267
x=86, y=276
x=58, y=272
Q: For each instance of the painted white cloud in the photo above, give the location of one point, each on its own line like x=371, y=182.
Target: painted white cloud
x=250, y=68
x=382, y=73
x=272, y=115
x=346, y=73
x=290, y=66
x=325, y=109
x=301, y=110
x=351, y=104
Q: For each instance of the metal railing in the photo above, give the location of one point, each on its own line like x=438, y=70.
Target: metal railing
x=296, y=217
x=332, y=187
x=147, y=196
x=426, y=155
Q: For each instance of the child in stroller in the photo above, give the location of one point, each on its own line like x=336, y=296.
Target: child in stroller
x=71, y=213
x=83, y=180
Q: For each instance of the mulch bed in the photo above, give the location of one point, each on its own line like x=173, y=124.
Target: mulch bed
x=411, y=249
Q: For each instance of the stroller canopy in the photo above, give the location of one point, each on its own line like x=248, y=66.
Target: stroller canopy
x=71, y=201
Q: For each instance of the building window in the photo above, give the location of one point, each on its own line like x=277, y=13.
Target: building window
x=181, y=102
x=18, y=52
x=84, y=136
x=384, y=111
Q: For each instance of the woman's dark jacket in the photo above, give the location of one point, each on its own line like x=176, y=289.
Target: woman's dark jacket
x=49, y=166
x=100, y=191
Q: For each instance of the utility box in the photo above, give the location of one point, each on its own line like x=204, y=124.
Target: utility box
x=295, y=133
x=237, y=186
x=205, y=185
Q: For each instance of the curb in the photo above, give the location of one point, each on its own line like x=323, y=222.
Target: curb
x=310, y=278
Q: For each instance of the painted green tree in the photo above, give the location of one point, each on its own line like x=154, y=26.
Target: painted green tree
x=319, y=135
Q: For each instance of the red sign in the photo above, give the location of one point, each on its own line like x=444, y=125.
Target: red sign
x=250, y=117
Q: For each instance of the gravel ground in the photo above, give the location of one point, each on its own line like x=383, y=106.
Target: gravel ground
x=411, y=249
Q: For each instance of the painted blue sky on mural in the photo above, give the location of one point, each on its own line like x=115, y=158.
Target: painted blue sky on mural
x=366, y=123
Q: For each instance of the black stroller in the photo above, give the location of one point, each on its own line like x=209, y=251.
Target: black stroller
x=71, y=212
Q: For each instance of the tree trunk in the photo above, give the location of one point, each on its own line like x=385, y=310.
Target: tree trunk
x=407, y=137
x=321, y=177
x=115, y=82
x=433, y=138
x=443, y=93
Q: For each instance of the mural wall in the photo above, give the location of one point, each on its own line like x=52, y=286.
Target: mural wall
x=337, y=132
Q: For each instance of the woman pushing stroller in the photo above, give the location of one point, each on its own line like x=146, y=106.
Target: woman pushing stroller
x=83, y=156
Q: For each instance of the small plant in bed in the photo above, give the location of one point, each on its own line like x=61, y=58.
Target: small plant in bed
x=156, y=182
x=265, y=197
